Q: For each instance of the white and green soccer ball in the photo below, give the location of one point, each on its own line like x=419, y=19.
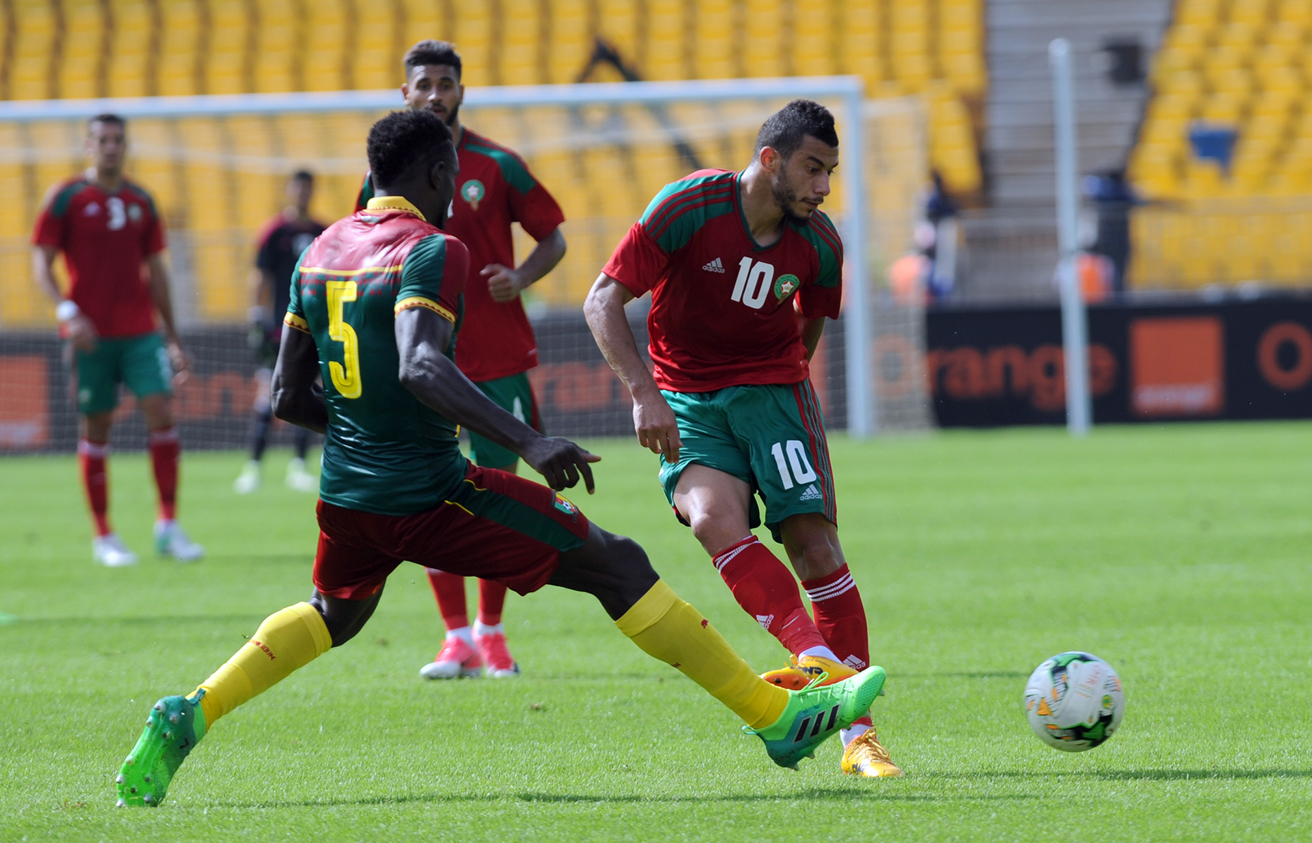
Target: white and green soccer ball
x=1074, y=701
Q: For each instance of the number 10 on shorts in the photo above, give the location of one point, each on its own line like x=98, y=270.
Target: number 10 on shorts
x=795, y=468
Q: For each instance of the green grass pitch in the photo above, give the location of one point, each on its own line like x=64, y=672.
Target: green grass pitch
x=1178, y=553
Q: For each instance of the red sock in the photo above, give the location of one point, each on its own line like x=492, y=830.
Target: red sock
x=840, y=616
x=767, y=591
x=449, y=590
x=164, y=451
x=95, y=479
x=491, y=600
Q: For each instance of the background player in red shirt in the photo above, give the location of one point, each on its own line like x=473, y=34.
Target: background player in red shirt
x=108, y=229
x=743, y=270
x=277, y=250
x=494, y=188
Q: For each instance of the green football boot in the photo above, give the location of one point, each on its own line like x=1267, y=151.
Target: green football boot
x=815, y=713
x=174, y=726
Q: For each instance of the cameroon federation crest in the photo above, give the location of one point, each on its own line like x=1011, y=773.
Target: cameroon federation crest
x=565, y=506
x=784, y=286
x=472, y=192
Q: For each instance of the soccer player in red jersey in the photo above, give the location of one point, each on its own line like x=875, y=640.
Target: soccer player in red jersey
x=113, y=244
x=494, y=188
x=279, y=246
x=374, y=311
x=743, y=270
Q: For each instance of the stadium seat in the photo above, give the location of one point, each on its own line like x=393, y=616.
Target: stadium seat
x=179, y=66
x=82, y=40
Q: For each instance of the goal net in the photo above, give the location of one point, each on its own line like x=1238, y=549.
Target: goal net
x=217, y=167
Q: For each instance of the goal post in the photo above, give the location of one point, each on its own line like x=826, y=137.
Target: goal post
x=216, y=165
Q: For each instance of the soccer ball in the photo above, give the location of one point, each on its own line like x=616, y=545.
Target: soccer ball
x=1074, y=701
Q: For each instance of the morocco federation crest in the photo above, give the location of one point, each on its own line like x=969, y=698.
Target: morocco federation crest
x=472, y=191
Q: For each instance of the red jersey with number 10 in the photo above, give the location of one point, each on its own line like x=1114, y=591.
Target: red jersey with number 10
x=722, y=310
x=105, y=237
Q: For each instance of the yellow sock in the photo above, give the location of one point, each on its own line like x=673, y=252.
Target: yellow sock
x=287, y=641
x=667, y=628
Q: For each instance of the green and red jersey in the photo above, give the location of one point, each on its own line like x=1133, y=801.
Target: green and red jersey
x=722, y=307
x=385, y=452
x=494, y=188
x=106, y=238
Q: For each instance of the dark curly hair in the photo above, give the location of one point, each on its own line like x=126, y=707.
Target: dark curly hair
x=428, y=52
x=784, y=129
x=406, y=139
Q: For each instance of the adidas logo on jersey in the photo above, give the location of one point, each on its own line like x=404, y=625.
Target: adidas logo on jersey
x=765, y=621
x=714, y=266
x=811, y=494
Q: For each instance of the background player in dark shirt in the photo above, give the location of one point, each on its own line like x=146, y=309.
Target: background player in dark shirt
x=374, y=314
x=280, y=245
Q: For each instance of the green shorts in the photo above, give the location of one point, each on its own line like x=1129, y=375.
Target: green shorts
x=514, y=395
x=141, y=362
x=770, y=437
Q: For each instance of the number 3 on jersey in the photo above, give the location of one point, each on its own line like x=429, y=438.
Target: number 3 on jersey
x=345, y=375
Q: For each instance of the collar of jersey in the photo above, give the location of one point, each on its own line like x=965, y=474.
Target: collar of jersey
x=394, y=203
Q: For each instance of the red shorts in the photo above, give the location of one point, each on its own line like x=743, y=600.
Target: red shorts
x=495, y=526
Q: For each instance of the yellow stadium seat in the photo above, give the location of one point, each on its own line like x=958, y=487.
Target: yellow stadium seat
x=1295, y=11
x=34, y=42
x=473, y=37
x=570, y=44
x=1238, y=36
x=713, y=45
x=1197, y=12
x=83, y=38
x=179, y=63
x=1255, y=12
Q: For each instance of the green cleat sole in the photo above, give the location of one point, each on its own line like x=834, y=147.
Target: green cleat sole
x=817, y=713
x=173, y=727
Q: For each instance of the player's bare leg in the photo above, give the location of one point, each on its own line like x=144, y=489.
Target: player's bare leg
x=165, y=452
x=811, y=542
x=93, y=456
x=716, y=504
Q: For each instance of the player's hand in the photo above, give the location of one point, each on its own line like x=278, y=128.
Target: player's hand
x=503, y=282
x=561, y=462
x=180, y=361
x=657, y=428
x=82, y=332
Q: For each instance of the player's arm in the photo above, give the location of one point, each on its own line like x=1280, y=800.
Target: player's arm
x=811, y=330
x=158, y=277
x=505, y=283
x=77, y=325
x=295, y=392
x=434, y=379
x=653, y=420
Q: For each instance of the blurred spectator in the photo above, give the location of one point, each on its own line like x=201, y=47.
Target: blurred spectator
x=1112, y=198
x=941, y=247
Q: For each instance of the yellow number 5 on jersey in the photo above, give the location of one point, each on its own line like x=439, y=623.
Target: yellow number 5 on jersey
x=346, y=375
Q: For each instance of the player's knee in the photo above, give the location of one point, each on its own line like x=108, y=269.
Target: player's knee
x=629, y=559
x=343, y=618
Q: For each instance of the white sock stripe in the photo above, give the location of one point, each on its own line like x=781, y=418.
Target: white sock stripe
x=169, y=435
x=729, y=555
x=91, y=449
x=834, y=589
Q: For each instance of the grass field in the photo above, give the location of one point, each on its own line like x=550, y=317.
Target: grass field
x=1178, y=553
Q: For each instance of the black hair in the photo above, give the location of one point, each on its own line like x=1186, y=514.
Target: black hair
x=303, y=175
x=785, y=129
x=406, y=139
x=107, y=118
x=428, y=52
